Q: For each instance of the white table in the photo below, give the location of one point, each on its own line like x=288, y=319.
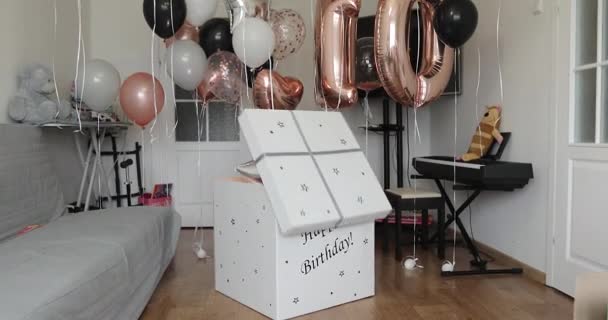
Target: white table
x=96, y=132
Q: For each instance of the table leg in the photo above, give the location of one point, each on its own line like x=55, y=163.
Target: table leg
x=85, y=174
x=95, y=142
x=87, y=201
x=79, y=149
x=385, y=235
x=425, y=228
x=102, y=172
x=398, y=251
x=441, y=232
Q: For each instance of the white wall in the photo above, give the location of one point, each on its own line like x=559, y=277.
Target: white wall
x=126, y=43
x=514, y=223
x=27, y=37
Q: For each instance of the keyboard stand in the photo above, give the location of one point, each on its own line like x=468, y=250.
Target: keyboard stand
x=478, y=263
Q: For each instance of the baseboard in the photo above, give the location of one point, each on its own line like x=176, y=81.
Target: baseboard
x=504, y=259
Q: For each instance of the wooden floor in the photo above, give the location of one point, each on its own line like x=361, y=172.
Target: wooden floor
x=186, y=292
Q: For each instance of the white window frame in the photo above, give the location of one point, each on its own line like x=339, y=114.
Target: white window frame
x=600, y=65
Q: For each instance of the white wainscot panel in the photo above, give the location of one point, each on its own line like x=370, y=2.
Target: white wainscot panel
x=196, y=188
x=588, y=210
x=192, y=217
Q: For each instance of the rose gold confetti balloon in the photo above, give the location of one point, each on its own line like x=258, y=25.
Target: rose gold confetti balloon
x=289, y=31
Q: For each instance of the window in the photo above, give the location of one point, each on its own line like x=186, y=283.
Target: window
x=218, y=123
x=590, y=72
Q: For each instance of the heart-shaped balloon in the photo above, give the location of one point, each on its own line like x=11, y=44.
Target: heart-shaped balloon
x=204, y=93
x=287, y=91
x=186, y=32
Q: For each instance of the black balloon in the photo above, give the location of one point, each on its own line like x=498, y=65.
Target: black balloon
x=455, y=21
x=253, y=73
x=170, y=16
x=215, y=35
x=366, y=72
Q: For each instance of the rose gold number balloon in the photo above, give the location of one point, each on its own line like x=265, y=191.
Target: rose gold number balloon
x=335, y=41
x=393, y=62
x=286, y=91
x=437, y=61
x=142, y=97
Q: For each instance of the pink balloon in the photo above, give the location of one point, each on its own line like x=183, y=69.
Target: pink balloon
x=137, y=98
x=225, y=76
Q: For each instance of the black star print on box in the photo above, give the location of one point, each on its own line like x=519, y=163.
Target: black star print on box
x=296, y=300
x=342, y=273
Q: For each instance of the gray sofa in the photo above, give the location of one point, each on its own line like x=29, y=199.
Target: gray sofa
x=98, y=265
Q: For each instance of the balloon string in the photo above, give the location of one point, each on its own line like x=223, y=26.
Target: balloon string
x=152, y=44
x=477, y=116
x=416, y=103
x=198, y=136
x=341, y=72
x=198, y=245
x=78, y=103
x=366, y=105
x=236, y=115
x=417, y=137
x=173, y=79
x=84, y=73
x=143, y=157
x=457, y=52
x=243, y=71
x=245, y=58
x=316, y=89
x=502, y=94
x=271, y=83
x=54, y=57
x=271, y=71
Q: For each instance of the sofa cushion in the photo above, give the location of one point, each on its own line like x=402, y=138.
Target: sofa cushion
x=87, y=266
x=30, y=192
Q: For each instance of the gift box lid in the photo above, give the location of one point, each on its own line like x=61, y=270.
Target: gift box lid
x=313, y=169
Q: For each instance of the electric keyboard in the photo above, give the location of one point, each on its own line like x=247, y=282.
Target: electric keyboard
x=485, y=173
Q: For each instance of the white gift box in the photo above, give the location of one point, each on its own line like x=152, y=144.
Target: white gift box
x=303, y=240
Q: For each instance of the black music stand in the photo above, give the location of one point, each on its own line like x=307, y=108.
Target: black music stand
x=478, y=262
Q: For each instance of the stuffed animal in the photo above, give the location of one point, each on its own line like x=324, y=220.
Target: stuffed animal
x=35, y=100
x=485, y=134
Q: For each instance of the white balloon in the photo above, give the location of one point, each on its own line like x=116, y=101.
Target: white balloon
x=199, y=11
x=189, y=64
x=253, y=41
x=101, y=85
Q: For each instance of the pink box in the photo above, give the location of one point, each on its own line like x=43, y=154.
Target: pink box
x=148, y=201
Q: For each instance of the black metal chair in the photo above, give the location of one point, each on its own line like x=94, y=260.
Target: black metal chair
x=409, y=199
